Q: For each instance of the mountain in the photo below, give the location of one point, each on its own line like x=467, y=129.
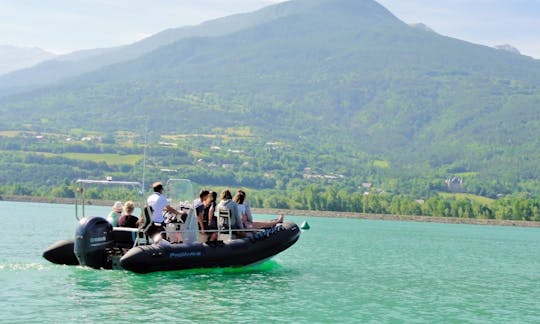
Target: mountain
x=14, y=58
x=344, y=78
x=84, y=61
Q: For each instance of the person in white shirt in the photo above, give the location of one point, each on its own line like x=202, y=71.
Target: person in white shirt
x=159, y=204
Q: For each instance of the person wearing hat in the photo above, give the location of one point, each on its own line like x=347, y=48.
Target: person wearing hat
x=159, y=204
x=115, y=214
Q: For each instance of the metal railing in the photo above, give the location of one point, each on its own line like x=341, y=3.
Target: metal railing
x=82, y=184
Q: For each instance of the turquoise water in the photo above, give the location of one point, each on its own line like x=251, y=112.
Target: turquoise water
x=342, y=271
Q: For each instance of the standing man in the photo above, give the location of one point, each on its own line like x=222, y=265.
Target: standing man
x=200, y=204
x=159, y=204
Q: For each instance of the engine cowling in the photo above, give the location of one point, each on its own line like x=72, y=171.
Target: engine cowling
x=93, y=240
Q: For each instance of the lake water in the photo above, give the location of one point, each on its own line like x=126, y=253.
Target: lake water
x=342, y=270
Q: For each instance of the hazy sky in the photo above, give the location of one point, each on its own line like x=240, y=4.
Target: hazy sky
x=66, y=25
x=487, y=22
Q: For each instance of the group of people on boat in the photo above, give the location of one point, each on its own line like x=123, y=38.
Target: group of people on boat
x=207, y=210
x=236, y=209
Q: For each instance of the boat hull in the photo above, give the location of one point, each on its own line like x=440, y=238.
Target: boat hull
x=61, y=252
x=238, y=252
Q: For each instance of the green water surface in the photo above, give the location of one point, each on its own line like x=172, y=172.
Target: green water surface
x=340, y=271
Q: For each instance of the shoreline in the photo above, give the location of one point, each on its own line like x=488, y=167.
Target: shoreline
x=312, y=213
x=390, y=217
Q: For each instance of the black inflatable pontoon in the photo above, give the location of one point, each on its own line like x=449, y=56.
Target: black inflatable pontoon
x=100, y=246
x=237, y=252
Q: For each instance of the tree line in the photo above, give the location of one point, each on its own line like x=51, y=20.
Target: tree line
x=331, y=198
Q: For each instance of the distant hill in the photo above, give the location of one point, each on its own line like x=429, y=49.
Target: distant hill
x=84, y=61
x=14, y=58
x=345, y=78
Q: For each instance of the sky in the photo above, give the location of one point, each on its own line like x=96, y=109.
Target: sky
x=63, y=26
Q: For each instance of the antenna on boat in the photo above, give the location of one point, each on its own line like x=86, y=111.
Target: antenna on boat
x=144, y=158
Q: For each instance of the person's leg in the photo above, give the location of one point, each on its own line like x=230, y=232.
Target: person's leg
x=213, y=236
x=268, y=224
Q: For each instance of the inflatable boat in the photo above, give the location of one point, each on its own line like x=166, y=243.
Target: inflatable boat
x=99, y=245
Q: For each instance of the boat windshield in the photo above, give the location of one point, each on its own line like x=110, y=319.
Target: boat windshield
x=178, y=191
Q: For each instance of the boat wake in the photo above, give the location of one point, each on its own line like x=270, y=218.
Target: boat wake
x=21, y=266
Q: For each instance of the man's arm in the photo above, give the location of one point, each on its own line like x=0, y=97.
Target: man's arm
x=171, y=210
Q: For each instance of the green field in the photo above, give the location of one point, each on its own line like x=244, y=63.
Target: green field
x=381, y=164
x=9, y=133
x=108, y=158
x=130, y=159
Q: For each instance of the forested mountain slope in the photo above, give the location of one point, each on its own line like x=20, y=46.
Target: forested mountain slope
x=344, y=78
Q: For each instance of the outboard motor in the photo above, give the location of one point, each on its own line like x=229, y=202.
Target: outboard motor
x=93, y=241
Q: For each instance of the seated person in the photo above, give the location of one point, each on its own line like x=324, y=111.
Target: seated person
x=228, y=204
x=247, y=218
x=114, y=215
x=128, y=220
